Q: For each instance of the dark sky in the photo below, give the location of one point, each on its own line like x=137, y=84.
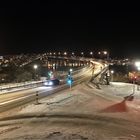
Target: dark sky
x=37, y=27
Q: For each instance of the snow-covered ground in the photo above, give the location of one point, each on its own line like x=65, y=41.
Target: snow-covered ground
x=123, y=89
x=83, y=113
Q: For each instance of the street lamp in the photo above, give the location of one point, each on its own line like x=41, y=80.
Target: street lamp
x=138, y=68
x=112, y=71
x=107, y=54
x=82, y=53
x=71, y=70
x=112, y=76
x=137, y=64
x=35, y=67
x=91, y=53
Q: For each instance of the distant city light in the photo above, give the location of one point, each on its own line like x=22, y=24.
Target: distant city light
x=65, y=53
x=91, y=53
x=105, y=52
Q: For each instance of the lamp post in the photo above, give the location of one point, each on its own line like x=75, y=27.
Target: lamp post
x=91, y=53
x=134, y=81
x=71, y=70
x=73, y=53
x=82, y=53
x=107, y=54
x=137, y=64
x=35, y=68
x=112, y=75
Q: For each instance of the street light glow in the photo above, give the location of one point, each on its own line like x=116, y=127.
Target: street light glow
x=138, y=68
x=91, y=53
x=112, y=71
x=35, y=66
x=137, y=64
x=71, y=70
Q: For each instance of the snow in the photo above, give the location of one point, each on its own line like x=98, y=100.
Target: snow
x=83, y=113
x=121, y=89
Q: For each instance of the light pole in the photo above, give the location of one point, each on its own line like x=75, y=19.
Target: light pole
x=107, y=54
x=71, y=70
x=112, y=75
x=134, y=81
x=82, y=53
x=137, y=64
x=91, y=53
x=72, y=53
x=35, y=68
x=99, y=54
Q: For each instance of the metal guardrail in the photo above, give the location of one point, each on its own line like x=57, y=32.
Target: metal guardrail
x=20, y=85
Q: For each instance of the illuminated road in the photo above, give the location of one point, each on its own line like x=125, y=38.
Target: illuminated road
x=15, y=99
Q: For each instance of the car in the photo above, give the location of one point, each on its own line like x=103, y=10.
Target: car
x=52, y=82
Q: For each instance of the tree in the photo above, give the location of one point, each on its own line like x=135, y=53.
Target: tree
x=25, y=76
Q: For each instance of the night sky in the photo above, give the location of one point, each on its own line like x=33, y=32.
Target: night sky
x=39, y=27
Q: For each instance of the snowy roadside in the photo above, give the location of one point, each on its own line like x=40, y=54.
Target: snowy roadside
x=78, y=114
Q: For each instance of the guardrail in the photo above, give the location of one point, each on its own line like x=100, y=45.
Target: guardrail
x=20, y=85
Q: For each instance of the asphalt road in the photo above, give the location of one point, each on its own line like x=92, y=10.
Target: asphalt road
x=18, y=98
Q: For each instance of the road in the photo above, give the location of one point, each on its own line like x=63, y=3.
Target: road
x=15, y=99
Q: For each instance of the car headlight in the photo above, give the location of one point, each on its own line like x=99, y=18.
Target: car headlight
x=48, y=83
